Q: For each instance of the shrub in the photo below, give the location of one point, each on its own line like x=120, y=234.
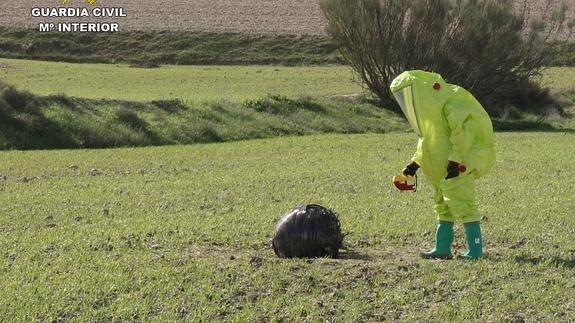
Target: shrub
x=487, y=46
x=131, y=119
x=20, y=101
x=279, y=104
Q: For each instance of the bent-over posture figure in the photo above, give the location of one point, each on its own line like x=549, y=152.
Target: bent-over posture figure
x=455, y=148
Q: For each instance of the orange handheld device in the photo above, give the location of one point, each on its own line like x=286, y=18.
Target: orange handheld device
x=405, y=183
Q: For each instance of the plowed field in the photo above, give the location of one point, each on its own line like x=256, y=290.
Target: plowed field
x=242, y=16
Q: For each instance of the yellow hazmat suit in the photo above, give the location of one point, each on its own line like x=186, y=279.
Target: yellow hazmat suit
x=454, y=130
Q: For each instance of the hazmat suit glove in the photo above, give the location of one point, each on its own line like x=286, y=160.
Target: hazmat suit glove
x=410, y=169
x=452, y=169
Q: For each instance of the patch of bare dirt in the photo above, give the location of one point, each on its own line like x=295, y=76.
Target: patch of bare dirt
x=237, y=16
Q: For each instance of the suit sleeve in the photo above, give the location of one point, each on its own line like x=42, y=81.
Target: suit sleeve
x=460, y=123
x=417, y=156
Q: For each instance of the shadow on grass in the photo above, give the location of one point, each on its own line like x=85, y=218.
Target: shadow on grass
x=529, y=126
x=554, y=261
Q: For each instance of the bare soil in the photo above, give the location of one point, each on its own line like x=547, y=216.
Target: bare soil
x=237, y=16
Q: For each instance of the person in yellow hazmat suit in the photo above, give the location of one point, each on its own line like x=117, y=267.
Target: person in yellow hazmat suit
x=455, y=148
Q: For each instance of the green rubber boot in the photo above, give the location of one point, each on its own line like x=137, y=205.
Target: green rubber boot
x=443, y=241
x=474, y=241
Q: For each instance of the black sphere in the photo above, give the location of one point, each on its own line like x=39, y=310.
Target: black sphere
x=308, y=231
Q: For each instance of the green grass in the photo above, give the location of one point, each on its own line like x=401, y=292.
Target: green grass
x=562, y=53
x=194, y=83
x=28, y=121
x=559, y=78
x=168, y=47
x=192, y=48
x=180, y=233
x=222, y=107
x=200, y=83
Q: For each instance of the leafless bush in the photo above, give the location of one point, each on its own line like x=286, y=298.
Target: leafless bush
x=491, y=47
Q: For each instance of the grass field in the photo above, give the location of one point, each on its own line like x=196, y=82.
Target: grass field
x=106, y=106
x=193, y=48
x=194, y=83
x=169, y=47
x=28, y=121
x=559, y=78
x=199, y=83
x=181, y=232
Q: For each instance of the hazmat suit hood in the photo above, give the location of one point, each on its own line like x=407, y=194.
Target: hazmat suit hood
x=420, y=96
x=450, y=122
